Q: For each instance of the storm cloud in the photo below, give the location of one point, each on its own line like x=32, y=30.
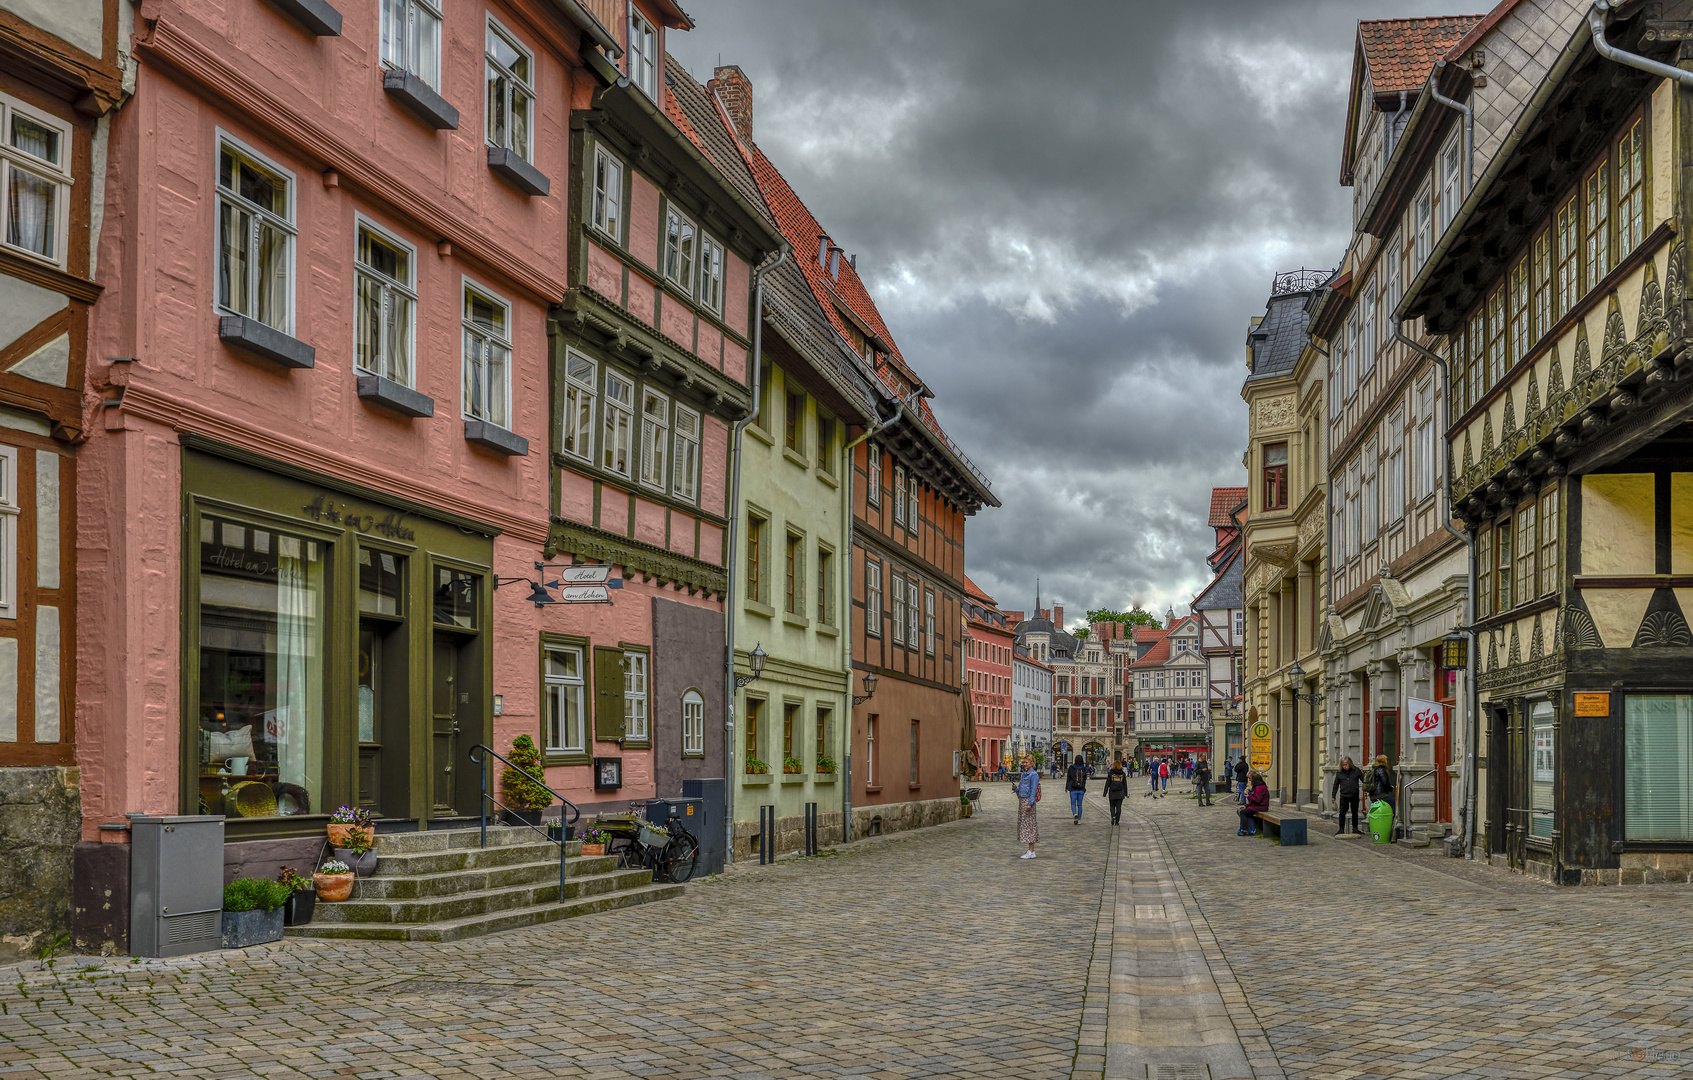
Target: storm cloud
x=1068, y=212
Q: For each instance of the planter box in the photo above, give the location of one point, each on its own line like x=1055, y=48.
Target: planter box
x=297, y=910
x=244, y=928
x=523, y=817
x=362, y=865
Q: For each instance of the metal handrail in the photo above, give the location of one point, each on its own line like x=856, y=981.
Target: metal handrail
x=576, y=811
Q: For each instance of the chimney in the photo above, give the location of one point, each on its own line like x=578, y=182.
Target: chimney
x=1058, y=616
x=734, y=89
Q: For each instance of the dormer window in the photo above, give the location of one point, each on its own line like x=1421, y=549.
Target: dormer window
x=643, y=53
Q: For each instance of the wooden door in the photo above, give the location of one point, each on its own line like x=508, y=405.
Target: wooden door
x=445, y=702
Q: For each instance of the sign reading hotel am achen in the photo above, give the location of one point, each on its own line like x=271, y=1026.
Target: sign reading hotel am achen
x=393, y=525
x=1260, y=745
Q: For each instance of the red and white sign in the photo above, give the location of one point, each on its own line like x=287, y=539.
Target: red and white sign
x=1428, y=718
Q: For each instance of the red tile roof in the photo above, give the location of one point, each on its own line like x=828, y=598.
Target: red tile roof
x=1400, y=52
x=972, y=589
x=1223, y=502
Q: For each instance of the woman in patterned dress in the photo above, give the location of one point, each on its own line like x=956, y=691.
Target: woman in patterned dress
x=1028, y=793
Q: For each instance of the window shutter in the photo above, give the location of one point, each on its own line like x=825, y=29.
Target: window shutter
x=608, y=694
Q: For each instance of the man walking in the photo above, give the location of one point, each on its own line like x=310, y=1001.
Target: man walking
x=1164, y=775
x=1202, y=781
x=1240, y=775
x=1076, y=783
x=1347, y=784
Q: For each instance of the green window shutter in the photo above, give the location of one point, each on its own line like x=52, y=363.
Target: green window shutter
x=608, y=694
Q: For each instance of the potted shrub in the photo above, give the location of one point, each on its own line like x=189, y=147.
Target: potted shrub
x=252, y=912
x=334, y=881
x=524, y=798
x=792, y=765
x=358, y=853
x=348, y=820
x=756, y=767
x=297, y=909
x=594, y=841
x=825, y=763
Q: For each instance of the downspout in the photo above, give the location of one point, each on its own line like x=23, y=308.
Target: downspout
x=1469, y=127
x=1328, y=535
x=1472, y=696
x=870, y=429
x=729, y=606
x=1596, y=27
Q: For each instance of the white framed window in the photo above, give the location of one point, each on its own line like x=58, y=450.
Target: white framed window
x=1422, y=225
x=607, y=211
x=487, y=357
x=619, y=423
x=681, y=241
x=711, y=274
x=872, y=474
x=1391, y=290
x=685, y=460
x=1428, y=466
x=1371, y=495
x=693, y=723
x=386, y=305
x=1354, y=359
x=1367, y=332
x=899, y=494
x=1393, y=484
x=411, y=38
x=579, y=396
x=1451, y=181
x=35, y=176
x=11, y=505
x=929, y=621
x=564, y=724
x=911, y=610
x=911, y=503
x=896, y=587
x=872, y=597
x=643, y=53
x=511, y=92
x=635, y=696
x=255, y=237
x=655, y=437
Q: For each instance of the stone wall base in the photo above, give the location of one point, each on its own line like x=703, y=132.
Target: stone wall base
x=790, y=834
x=866, y=821
x=40, y=824
x=1638, y=868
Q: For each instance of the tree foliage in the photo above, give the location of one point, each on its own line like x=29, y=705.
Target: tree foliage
x=1138, y=617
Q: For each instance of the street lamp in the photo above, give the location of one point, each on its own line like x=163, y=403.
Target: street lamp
x=869, y=689
x=758, y=657
x=1455, y=650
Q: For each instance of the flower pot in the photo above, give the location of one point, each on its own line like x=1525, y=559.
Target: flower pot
x=339, y=834
x=244, y=928
x=557, y=831
x=297, y=909
x=363, y=864
x=523, y=817
x=333, y=888
x=593, y=849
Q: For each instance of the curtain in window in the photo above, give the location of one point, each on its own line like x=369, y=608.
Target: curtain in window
x=29, y=206
x=299, y=674
x=1658, y=731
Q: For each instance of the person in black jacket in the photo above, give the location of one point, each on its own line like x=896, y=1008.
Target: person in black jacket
x=1117, y=788
x=1240, y=775
x=1076, y=783
x=1381, y=780
x=1202, y=782
x=1348, y=783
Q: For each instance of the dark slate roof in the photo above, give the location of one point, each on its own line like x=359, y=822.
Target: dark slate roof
x=1225, y=590
x=1278, y=339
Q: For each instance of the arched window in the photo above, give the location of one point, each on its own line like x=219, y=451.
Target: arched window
x=693, y=723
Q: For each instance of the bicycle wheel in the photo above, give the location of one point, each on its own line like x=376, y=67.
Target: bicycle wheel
x=629, y=856
x=680, y=857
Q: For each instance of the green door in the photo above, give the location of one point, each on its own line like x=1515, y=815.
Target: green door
x=446, y=700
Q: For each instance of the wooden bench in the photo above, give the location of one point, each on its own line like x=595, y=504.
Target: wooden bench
x=1289, y=829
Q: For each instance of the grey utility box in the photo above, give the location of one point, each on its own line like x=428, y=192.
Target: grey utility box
x=710, y=793
x=175, y=885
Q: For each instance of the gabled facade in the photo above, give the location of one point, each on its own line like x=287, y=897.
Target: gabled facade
x=1570, y=458
x=1167, y=688
x=1084, y=699
x=988, y=649
x=1221, y=611
x=1031, y=708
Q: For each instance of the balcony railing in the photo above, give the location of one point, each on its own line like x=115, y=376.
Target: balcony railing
x=1297, y=281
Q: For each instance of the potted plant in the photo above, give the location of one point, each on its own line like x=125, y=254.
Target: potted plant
x=302, y=899
x=524, y=798
x=825, y=763
x=594, y=841
x=792, y=765
x=358, y=853
x=349, y=820
x=756, y=767
x=252, y=912
x=334, y=881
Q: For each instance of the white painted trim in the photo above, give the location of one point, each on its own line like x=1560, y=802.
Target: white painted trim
x=361, y=220
x=60, y=174
x=470, y=284
x=220, y=138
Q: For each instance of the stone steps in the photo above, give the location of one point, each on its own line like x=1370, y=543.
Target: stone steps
x=476, y=925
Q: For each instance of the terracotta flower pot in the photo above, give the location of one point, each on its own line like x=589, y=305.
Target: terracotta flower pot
x=593, y=849
x=339, y=834
x=332, y=888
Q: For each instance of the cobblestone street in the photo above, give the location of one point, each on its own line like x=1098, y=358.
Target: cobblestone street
x=1336, y=960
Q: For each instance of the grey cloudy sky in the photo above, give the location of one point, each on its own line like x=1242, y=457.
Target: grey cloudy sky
x=1067, y=211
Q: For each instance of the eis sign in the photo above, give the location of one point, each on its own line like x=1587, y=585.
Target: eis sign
x=1428, y=718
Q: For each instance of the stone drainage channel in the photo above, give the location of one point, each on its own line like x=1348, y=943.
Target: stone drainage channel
x=1162, y=1002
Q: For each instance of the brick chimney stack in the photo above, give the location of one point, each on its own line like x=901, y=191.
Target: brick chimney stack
x=734, y=89
x=1058, y=616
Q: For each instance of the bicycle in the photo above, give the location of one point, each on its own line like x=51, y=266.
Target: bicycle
x=673, y=859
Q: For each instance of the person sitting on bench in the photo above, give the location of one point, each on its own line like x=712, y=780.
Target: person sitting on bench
x=1257, y=798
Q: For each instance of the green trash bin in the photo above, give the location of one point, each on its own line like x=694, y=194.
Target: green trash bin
x=1381, y=822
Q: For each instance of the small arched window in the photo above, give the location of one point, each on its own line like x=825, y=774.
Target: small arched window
x=693, y=724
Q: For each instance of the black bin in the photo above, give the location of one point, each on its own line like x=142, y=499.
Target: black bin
x=709, y=794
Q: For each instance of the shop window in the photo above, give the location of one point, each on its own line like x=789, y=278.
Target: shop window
x=1544, y=769
x=511, y=93
x=1631, y=189
x=411, y=38
x=655, y=437
x=635, y=697
x=619, y=423
x=564, y=727
x=11, y=507
x=681, y=241
x=693, y=724
x=1658, y=732
x=386, y=303
x=255, y=239
x=35, y=174
x=643, y=53
x=872, y=597
x=711, y=274
x=579, y=372
x=487, y=358
x=1275, y=476
x=261, y=631
x=873, y=474
x=607, y=211
x=685, y=460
